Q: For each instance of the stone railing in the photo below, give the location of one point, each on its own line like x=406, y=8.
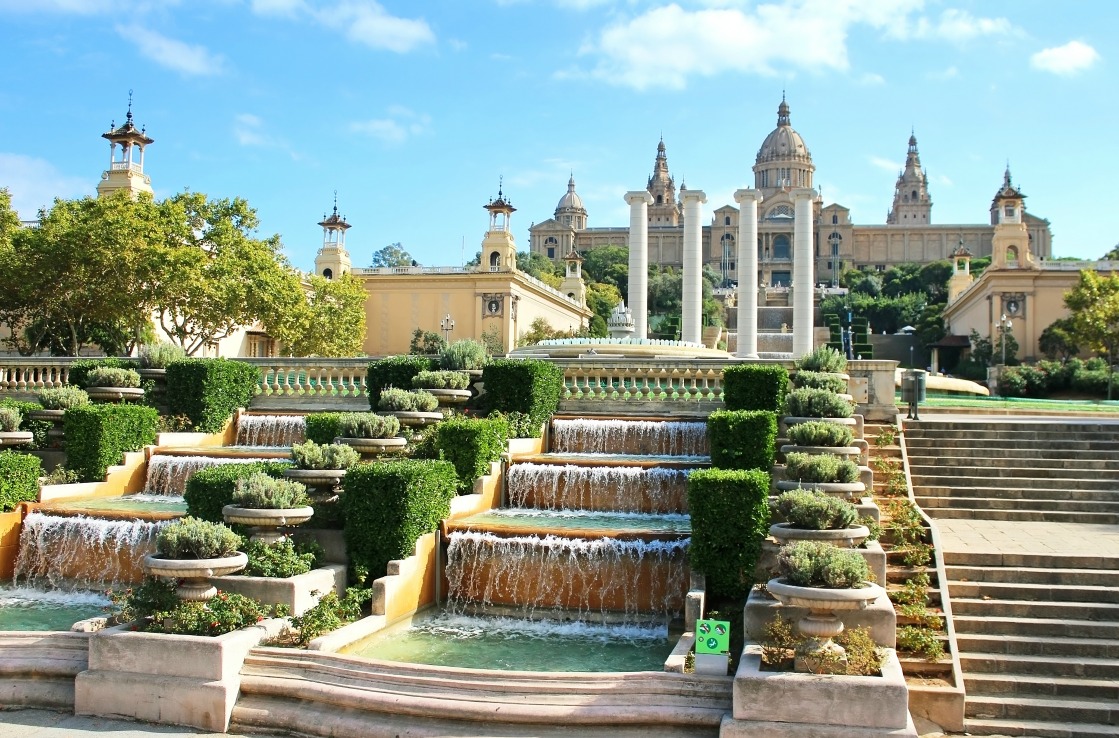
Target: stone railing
x=311, y=378
x=650, y=380
x=22, y=375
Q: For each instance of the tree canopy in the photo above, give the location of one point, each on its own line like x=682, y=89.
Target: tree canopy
x=329, y=322
x=1094, y=303
x=392, y=255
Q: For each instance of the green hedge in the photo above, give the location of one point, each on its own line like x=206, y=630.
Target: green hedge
x=755, y=387
x=730, y=518
x=471, y=444
x=81, y=368
x=387, y=506
x=209, y=391
x=527, y=386
x=37, y=428
x=19, y=479
x=322, y=428
x=742, y=439
x=98, y=435
x=394, y=371
x=209, y=490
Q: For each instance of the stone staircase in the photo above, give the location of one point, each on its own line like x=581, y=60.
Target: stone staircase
x=1038, y=631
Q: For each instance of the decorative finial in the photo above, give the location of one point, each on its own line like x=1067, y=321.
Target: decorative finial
x=336, y=202
x=500, y=185
x=129, y=116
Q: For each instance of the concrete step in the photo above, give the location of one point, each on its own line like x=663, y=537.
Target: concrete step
x=1022, y=645
x=1012, y=429
x=1069, y=469
x=1030, y=560
x=1011, y=684
x=1028, y=666
x=982, y=457
x=1016, y=503
x=999, y=445
x=995, y=480
x=1098, y=611
x=1021, y=515
x=1044, y=575
x=1038, y=729
x=1068, y=711
x=1018, y=493
x=1034, y=592
x=1035, y=627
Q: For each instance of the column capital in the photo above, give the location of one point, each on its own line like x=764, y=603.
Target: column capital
x=743, y=196
x=694, y=195
x=802, y=193
x=638, y=196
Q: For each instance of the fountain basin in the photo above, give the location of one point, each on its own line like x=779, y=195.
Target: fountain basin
x=584, y=524
x=33, y=609
x=128, y=507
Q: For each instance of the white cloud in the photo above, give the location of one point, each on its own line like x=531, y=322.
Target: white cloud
x=367, y=22
x=252, y=131
x=957, y=26
x=882, y=163
x=401, y=124
x=34, y=183
x=871, y=79
x=187, y=59
x=283, y=8
x=1073, y=57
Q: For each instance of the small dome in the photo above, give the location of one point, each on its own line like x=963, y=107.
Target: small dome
x=784, y=142
x=570, y=199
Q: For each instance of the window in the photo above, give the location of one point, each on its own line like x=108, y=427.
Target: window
x=830, y=267
x=329, y=274
x=551, y=252
x=726, y=221
x=879, y=267
x=495, y=260
x=781, y=247
x=1009, y=211
x=914, y=194
x=834, y=219
x=660, y=201
x=780, y=211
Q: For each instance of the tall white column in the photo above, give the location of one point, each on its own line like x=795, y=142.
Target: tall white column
x=747, y=272
x=692, y=299
x=638, y=297
x=803, y=280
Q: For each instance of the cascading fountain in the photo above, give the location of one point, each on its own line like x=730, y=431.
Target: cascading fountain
x=616, y=488
x=168, y=475
x=270, y=430
x=629, y=437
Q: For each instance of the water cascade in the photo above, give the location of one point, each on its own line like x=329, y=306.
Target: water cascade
x=82, y=552
x=270, y=430
x=617, y=488
x=168, y=475
x=630, y=437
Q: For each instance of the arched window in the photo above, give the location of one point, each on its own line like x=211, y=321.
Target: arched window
x=834, y=219
x=495, y=260
x=914, y=194
x=328, y=273
x=726, y=220
x=660, y=199
x=780, y=211
x=781, y=247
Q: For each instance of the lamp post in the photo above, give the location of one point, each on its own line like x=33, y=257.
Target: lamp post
x=834, y=241
x=1005, y=324
x=447, y=325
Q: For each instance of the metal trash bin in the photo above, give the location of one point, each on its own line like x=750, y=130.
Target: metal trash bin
x=913, y=390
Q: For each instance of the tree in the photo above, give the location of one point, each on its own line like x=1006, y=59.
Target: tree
x=392, y=255
x=1094, y=303
x=331, y=321
x=426, y=342
x=537, y=265
x=609, y=265
x=1112, y=255
x=1058, y=340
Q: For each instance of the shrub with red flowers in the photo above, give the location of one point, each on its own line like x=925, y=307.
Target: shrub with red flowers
x=154, y=608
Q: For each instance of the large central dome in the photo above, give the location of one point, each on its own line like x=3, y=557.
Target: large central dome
x=783, y=160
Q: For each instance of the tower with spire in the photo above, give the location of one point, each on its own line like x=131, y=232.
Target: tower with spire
x=912, y=204
x=127, y=172
x=332, y=259
x=1010, y=244
x=664, y=211
x=499, y=250
x=569, y=210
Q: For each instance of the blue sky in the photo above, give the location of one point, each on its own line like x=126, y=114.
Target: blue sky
x=413, y=110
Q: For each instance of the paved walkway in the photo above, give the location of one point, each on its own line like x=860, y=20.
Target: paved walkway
x=47, y=724
x=1010, y=537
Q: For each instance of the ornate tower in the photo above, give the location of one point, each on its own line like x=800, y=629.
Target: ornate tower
x=570, y=211
x=783, y=161
x=499, y=251
x=573, y=285
x=127, y=172
x=664, y=211
x=333, y=260
x=1010, y=245
x=961, y=277
x=912, y=205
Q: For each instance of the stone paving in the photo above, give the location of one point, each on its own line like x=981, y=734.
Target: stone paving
x=48, y=724
x=1010, y=537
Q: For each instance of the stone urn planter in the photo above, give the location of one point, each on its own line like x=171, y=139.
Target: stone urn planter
x=15, y=438
x=413, y=418
x=851, y=490
x=317, y=478
x=821, y=623
x=267, y=522
x=56, y=434
x=115, y=394
x=849, y=537
x=194, y=573
x=370, y=446
x=833, y=450
x=155, y=375
x=450, y=397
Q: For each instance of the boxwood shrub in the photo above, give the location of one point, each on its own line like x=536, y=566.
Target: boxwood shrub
x=387, y=506
x=322, y=428
x=209, y=391
x=820, y=380
x=755, y=387
x=742, y=439
x=209, y=490
x=394, y=371
x=526, y=386
x=98, y=435
x=19, y=479
x=730, y=518
x=817, y=403
x=471, y=444
x=80, y=369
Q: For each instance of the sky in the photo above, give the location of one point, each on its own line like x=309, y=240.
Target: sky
x=416, y=112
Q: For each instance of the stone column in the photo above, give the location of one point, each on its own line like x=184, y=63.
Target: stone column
x=691, y=313
x=803, y=278
x=747, y=273
x=638, y=297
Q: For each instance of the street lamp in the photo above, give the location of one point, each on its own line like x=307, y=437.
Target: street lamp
x=1005, y=324
x=834, y=241
x=447, y=325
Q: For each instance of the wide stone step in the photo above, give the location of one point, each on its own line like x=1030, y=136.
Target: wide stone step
x=1042, y=457
x=1028, y=666
x=1068, y=711
x=1012, y=429
x=1070, y=469
x=1039, y=729
x=1037, y=516
x=1041, y=575
x=996, y=443
x=1035, y=627
x=1009, y=684
x=1016, y=608
x=1023, y=645
x=1030, y=560
x=996, y=481
x=1018, y=493
x=1015, y=503
x=1034, y=592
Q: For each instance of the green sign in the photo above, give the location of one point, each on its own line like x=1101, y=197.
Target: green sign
x=712, y=636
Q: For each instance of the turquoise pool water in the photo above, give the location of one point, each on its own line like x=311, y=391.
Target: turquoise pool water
x=521, y=645
x=130, y=503
x=27, y=609
x=561, y=522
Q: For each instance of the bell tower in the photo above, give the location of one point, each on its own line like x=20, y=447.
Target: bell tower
x=573, y=285
x=1010, y=245
x=961, y=277
x=665, y=210
x=127, y=172
x=499, y=250
x=333, y=260
x=912, y=204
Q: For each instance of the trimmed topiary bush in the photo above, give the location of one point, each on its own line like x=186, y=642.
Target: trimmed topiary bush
x=814, y=564
x=529, y=386
x=160, y=355
x=730, y=518
x=821, y=433
x=209, y=391
x=80, y=369
x=811, y=510
x=820, y=469
x=466, y=354
x=822, y=359
x=191, y=538
x=19, y=479
x=97, y=436
x=755, y=387
x=817, y=403
x=441, y=380
x=322, y=428
x=399, y=400
x=311, y=455
x=367, y=425
x=820, y=380
x=742, y=439
x=387, y=507
x=63, y=398
x=262, y=492
x=209, y=490
x=471, y=444
x=394, y=371
x=107, y=376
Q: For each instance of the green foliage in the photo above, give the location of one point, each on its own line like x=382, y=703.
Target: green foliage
x=820, y=380
x=63, y=398
x=19, y=479
x=471, y=444
x=160, y=355
x=387, y=506
x=441, y=380
x=815, y=510
x=326, y=320
x=397, y=400
x=322, y=428
x=390, y=256
x=816, y=564
x=864, y=658
x=329, y=613
x=38, y=428
x=921, y=641
x=224, y=613
x=463, y=355
x=78, y=376
x=98, y=435
x=520, y=424
x=143, y=600
x=883, y=312
x=10, y=418
x=822, y=359
x=105, y=376
x=820, y=468
x=279, y=560
x=191, y=538
x=367, y=425
x=426, y=342
x=742, y=439
x=527, y=386
x=730, y=518
x=821, y=433
x=209, y=490
x=816, y=403
x=394, y=371
x=262, y=492
x=209, y=391
x=1058, y=340
x=311, y=455
x=755, y=387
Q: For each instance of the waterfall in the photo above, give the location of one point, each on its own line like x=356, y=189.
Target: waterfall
x=270, y=430
x=78, y=551
x=550, y=576
x=644, y=437
x=168, y=475
x=614, y=488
